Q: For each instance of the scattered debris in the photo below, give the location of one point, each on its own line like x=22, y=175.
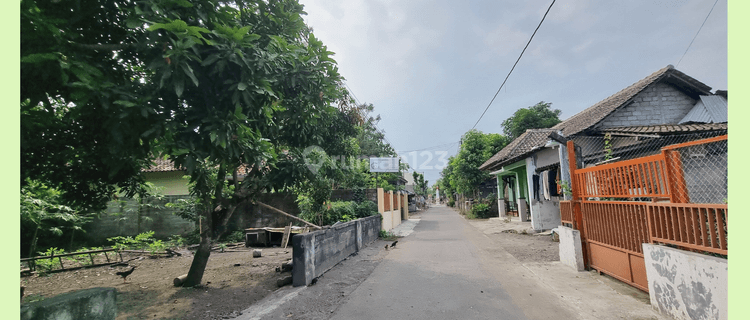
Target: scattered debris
x=257, y=253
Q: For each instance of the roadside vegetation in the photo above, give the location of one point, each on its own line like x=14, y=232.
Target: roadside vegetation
x=462, y=175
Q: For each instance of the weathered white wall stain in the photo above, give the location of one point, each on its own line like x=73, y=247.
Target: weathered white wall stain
x=686, y=285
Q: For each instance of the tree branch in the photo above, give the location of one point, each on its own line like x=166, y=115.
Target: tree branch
x=103, y=47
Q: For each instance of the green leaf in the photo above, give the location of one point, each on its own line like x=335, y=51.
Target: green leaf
x=241, y=86
x=179, y=86
x=189, y=73
x=39, y=57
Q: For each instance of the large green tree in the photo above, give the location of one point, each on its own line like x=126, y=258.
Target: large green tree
x=462, y=175
x=233, y=91
x=538, y=116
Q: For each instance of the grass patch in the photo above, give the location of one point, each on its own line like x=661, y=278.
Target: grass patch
x=388, y=236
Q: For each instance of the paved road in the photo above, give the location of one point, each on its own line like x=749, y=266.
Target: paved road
x=446, y=270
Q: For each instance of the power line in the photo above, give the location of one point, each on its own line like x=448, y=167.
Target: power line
x=699, y=31
x=514, y=65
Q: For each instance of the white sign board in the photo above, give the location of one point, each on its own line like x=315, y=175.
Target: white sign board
x=384, y=165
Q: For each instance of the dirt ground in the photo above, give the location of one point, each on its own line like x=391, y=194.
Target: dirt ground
x=233, y=281
x=519, y=240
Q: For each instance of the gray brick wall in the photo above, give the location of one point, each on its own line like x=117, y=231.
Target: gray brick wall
x=658, y=104
x=121, y=219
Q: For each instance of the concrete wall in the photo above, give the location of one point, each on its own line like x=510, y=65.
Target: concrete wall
x=571, y=252
x=316, y=252
x=122, y=219
x=90, y=304
x=659, y=104
x=686, y=285
x=169, y=183
x=546, y=156
x=545, y=214
x=349, y=195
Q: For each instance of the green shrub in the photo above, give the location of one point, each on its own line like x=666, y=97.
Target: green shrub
x=366, y=209
x=141, y=241
x=338, y=210
x=451, y=203
x=237, y=236
x=177, y=240
x=481, y=211
x=45, y=265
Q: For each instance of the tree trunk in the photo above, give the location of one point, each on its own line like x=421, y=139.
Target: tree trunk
x=200, y=260
x=72, y=236
x=33, y=242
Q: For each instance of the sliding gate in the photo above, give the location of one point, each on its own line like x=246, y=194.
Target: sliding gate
x=621, y=205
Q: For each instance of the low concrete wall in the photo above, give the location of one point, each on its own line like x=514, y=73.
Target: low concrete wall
x=91, y=304
x=686, y=285
x=391, y=219
x=571, y=253
x=315, y=252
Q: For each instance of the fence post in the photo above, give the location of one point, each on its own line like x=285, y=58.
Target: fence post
x=575, y=201
x=676, y=178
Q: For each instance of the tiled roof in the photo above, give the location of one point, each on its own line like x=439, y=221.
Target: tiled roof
x=669, y=128
x=529, y=141
x=162, y=165
x=592, y=115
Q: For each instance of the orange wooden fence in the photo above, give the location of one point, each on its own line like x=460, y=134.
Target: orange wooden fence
x=641, y=177
x=622, y=224
x=613, y=231
x=693, y=226
x=387, y=199
x=566, y=212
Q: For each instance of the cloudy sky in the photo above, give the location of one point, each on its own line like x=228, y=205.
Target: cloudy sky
x=431, y=67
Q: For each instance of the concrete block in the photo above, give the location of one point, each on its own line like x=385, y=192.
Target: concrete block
x=571, y=251
x=257, y=253
x=93, y=304
x=686, y=285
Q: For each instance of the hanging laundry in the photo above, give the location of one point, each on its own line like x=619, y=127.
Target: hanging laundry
x=552, y=182
x=545, y=184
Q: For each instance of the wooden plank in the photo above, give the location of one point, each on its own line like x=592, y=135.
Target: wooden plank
x=696, y=142
x=286, y=214
x=720, y=227
x=285, y=238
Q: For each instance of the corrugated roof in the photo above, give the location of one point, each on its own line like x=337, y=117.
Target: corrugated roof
x=669, y=128
x=708, y=109
x=592, y=115
x=529, y=141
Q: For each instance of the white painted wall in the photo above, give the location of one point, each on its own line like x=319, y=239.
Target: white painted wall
x=686, y=285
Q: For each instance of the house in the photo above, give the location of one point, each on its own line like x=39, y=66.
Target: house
x=518, y=170
x=167, y=178
x=664, y=108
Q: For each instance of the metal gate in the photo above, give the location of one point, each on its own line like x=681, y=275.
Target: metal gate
x=621, y=205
